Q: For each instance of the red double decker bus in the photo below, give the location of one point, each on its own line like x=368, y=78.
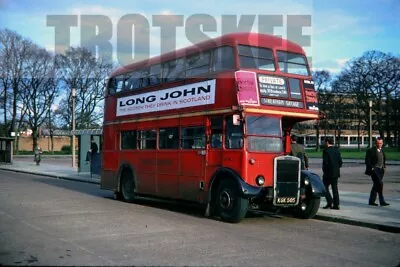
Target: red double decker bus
x=211, y=124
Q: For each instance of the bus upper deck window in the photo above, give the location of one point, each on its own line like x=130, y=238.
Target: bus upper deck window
x=223, y=59
x=292, y=63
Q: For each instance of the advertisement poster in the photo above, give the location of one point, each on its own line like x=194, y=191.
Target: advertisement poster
x=189, y=95
x=271, y=86
x=311, y=99
x=247, y=88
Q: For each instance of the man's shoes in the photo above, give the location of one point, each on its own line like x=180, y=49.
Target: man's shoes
x=335, y=208
x=385, y=204
x=372, y=204
x=327, y=207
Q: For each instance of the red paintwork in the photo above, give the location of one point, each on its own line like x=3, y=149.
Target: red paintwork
x=177, y=173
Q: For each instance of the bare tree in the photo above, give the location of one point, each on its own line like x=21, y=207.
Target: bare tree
x=322, y=80
x=81, y=70
x=386, y=82
x=375, y=76
x=13, y=53
x=40, y=89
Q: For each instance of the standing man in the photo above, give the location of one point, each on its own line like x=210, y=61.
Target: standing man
x=297, y=150
x=331, y=164
x=375, y=162
x=93, y=146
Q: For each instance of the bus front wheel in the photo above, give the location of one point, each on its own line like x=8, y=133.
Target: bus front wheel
x=127, y=188
x=308, y=208
x=230, y=206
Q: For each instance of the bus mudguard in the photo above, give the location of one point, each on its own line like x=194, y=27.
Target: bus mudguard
x=313, y=182
x=247, y=190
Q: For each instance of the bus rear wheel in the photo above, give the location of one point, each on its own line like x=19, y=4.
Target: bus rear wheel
x=127, y=188
x=230, y=206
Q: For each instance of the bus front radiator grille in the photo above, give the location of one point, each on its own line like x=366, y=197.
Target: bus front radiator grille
x=287, y=171
x=287, y=181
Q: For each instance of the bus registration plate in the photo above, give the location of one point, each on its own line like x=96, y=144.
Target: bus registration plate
x=285, y=200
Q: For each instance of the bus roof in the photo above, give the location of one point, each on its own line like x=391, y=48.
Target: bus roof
x=252, y=39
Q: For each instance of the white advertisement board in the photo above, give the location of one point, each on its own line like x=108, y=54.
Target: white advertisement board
x=188, y=95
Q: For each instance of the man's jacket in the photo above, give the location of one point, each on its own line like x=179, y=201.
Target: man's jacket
x=331, y=162
x=371, y=159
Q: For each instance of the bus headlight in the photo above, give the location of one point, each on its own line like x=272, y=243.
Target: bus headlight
x=260, y=180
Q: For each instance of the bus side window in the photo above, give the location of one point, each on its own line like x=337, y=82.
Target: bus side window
x=155, y=74
x=174, y=70
x=193, y=138
x=233, y=134
x=147, y=139
x=168, y=138
x=133, y=81
x=145, y=78
x=216, y=132
x=128, y=139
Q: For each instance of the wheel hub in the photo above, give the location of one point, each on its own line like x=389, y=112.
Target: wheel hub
x=225, y=200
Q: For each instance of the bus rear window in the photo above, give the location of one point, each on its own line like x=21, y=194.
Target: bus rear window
x=256, y=58
x=292, y=63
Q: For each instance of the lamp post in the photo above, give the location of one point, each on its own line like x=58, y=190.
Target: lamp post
x=73, y=127
x=370, y=123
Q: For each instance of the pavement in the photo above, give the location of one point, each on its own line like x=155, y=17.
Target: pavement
x=354, y=209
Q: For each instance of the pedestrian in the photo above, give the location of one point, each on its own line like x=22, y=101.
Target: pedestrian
x=297, y=150
x=38, y=157
x=93, y=147
x=375, y=162
x=331, y=164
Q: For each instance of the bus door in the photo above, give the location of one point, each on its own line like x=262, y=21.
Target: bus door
x=232, y=157
x=214, y=151
x=192, y=157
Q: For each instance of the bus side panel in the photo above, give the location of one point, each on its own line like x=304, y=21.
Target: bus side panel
x=109, y=159
x=233, y=159
x=145, y=170
x=167, y=173
x=191, y=165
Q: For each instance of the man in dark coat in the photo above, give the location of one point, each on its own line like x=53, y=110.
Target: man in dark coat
x=93, y=147
x=297, y=150
x=375, y=162
x=331, y=164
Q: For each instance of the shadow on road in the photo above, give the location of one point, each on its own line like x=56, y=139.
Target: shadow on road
x=185, y=207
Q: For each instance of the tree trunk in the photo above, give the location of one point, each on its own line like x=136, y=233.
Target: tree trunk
x=34, y=138
x=52, y=144
x=317, y=135
x=14, y=114
x=358, y=136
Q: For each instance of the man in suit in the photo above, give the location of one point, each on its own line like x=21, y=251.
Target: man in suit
x=331, y=164
x=375, y=162
x=297, y=150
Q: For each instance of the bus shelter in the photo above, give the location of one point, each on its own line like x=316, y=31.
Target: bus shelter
x=87, y=161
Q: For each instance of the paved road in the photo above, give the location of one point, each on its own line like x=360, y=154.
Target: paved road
x=46, y=221
x=353, y=178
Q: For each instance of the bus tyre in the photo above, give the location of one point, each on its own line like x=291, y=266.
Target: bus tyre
x=230, y=206
x=127, y=188
x=307, y=208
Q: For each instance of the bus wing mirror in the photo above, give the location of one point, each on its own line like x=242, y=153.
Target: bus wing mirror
x=236, y=119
